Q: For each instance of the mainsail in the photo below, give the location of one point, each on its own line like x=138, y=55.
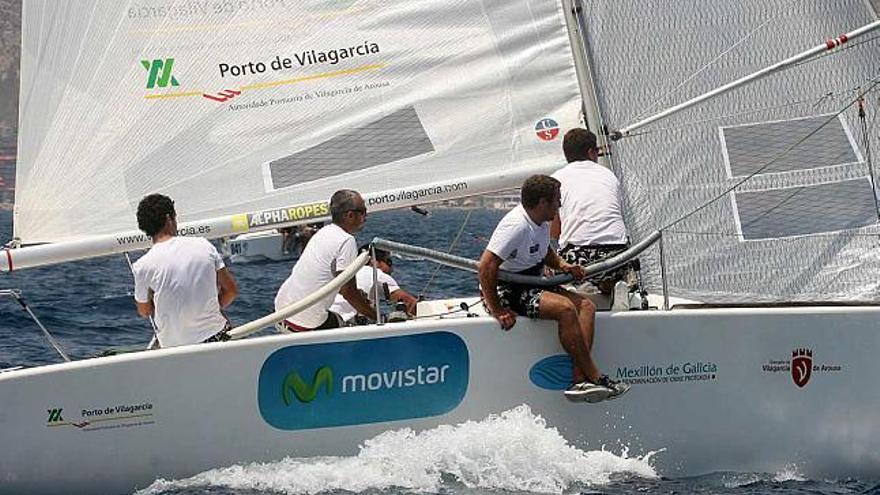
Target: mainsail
x=255, y=112
x=765, y=193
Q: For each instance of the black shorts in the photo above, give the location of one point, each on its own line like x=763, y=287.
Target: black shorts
x=587, y=255
x=221, y=336
x=522, y=299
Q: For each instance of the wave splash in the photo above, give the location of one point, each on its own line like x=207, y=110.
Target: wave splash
x=511, y=451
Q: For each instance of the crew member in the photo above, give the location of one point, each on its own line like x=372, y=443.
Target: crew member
x=521, y=244
x=385, y=266
x=590, y=224
x=182, y=281
x=330, y=251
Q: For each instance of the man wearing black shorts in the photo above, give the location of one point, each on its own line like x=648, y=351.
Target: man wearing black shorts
x=521, y=244
x=590, y=224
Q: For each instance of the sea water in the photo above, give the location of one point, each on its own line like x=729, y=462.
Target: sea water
x=88, y=306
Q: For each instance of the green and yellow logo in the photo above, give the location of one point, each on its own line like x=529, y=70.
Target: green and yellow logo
x=294, y=385
x=159, y=73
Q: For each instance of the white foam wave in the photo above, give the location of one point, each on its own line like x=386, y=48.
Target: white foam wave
x=738, y=480
x=790, y=473
x=513, y=451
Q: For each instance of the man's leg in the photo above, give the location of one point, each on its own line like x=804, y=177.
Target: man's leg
x=575, y=317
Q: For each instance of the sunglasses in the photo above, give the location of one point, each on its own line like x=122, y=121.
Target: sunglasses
x=362, y=211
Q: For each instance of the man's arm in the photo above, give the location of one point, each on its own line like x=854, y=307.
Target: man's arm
x=357, y=300
x=553, y=260
x=143, y=294
x=410, y=300
x=555, y=227
x=146, y=309
x=489, y=263
x=227, y=290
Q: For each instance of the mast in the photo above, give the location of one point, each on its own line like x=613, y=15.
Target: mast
x=577, y=36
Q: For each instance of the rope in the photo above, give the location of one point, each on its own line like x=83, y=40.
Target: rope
x=297, y=306
x=730, y=115
x=866, y=142
x=155, y=339
x=699, y=71
x=454, y=311
x=772, y=160
x=830, y=235
x=811, y=60
x=835, y=52
x=449, y=251
x=814, y=101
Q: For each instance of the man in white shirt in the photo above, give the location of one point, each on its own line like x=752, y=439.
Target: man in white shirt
x=330, y=251
x=590, y=224
x=385, y=266
x=182, y=281
x=521, y=244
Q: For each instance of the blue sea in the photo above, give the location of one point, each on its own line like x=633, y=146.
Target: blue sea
x=88, y=307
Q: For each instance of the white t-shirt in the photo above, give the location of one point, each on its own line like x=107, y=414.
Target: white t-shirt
x=365, y=283
x=329, y=252
x=592, y=210
x=182, y=272
x=519, y=241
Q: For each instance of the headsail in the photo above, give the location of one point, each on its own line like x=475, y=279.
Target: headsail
x=795, y=216
x=251, y=107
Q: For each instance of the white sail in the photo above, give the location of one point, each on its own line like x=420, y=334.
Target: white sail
x=764, y=193
x=238, y=108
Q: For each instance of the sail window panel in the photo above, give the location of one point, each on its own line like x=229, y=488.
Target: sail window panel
x=805, y=210
x=784, y=146
x=395, y=137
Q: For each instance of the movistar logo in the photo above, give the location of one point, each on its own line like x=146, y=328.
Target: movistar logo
x=294, y=385
x=160, y=73
x=305, y=386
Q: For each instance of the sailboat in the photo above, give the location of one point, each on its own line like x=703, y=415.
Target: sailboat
x=249, y=114
x=257, y=246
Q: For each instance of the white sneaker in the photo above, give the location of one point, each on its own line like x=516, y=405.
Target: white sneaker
x=587, y=392
x=617, y=388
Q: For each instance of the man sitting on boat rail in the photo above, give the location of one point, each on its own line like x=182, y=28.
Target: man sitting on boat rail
x=364, y=278
x=521, y=244
x=182, y=281
x=329, y=252
x=590, y=224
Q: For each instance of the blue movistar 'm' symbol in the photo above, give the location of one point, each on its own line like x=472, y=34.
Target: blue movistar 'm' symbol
x=306, y=392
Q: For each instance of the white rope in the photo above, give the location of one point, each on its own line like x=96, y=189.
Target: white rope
x=294, y=308
x=702, y=69
x=828, y=45
x=449, y=251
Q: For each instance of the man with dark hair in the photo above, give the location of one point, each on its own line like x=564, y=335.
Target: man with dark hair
x=330, y=251
x=521, y=244
x=182, y=281
x=364, y=279
x=590, y=223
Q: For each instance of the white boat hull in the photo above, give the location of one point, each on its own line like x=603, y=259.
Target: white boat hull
x=260, y=246
x=711, y=388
